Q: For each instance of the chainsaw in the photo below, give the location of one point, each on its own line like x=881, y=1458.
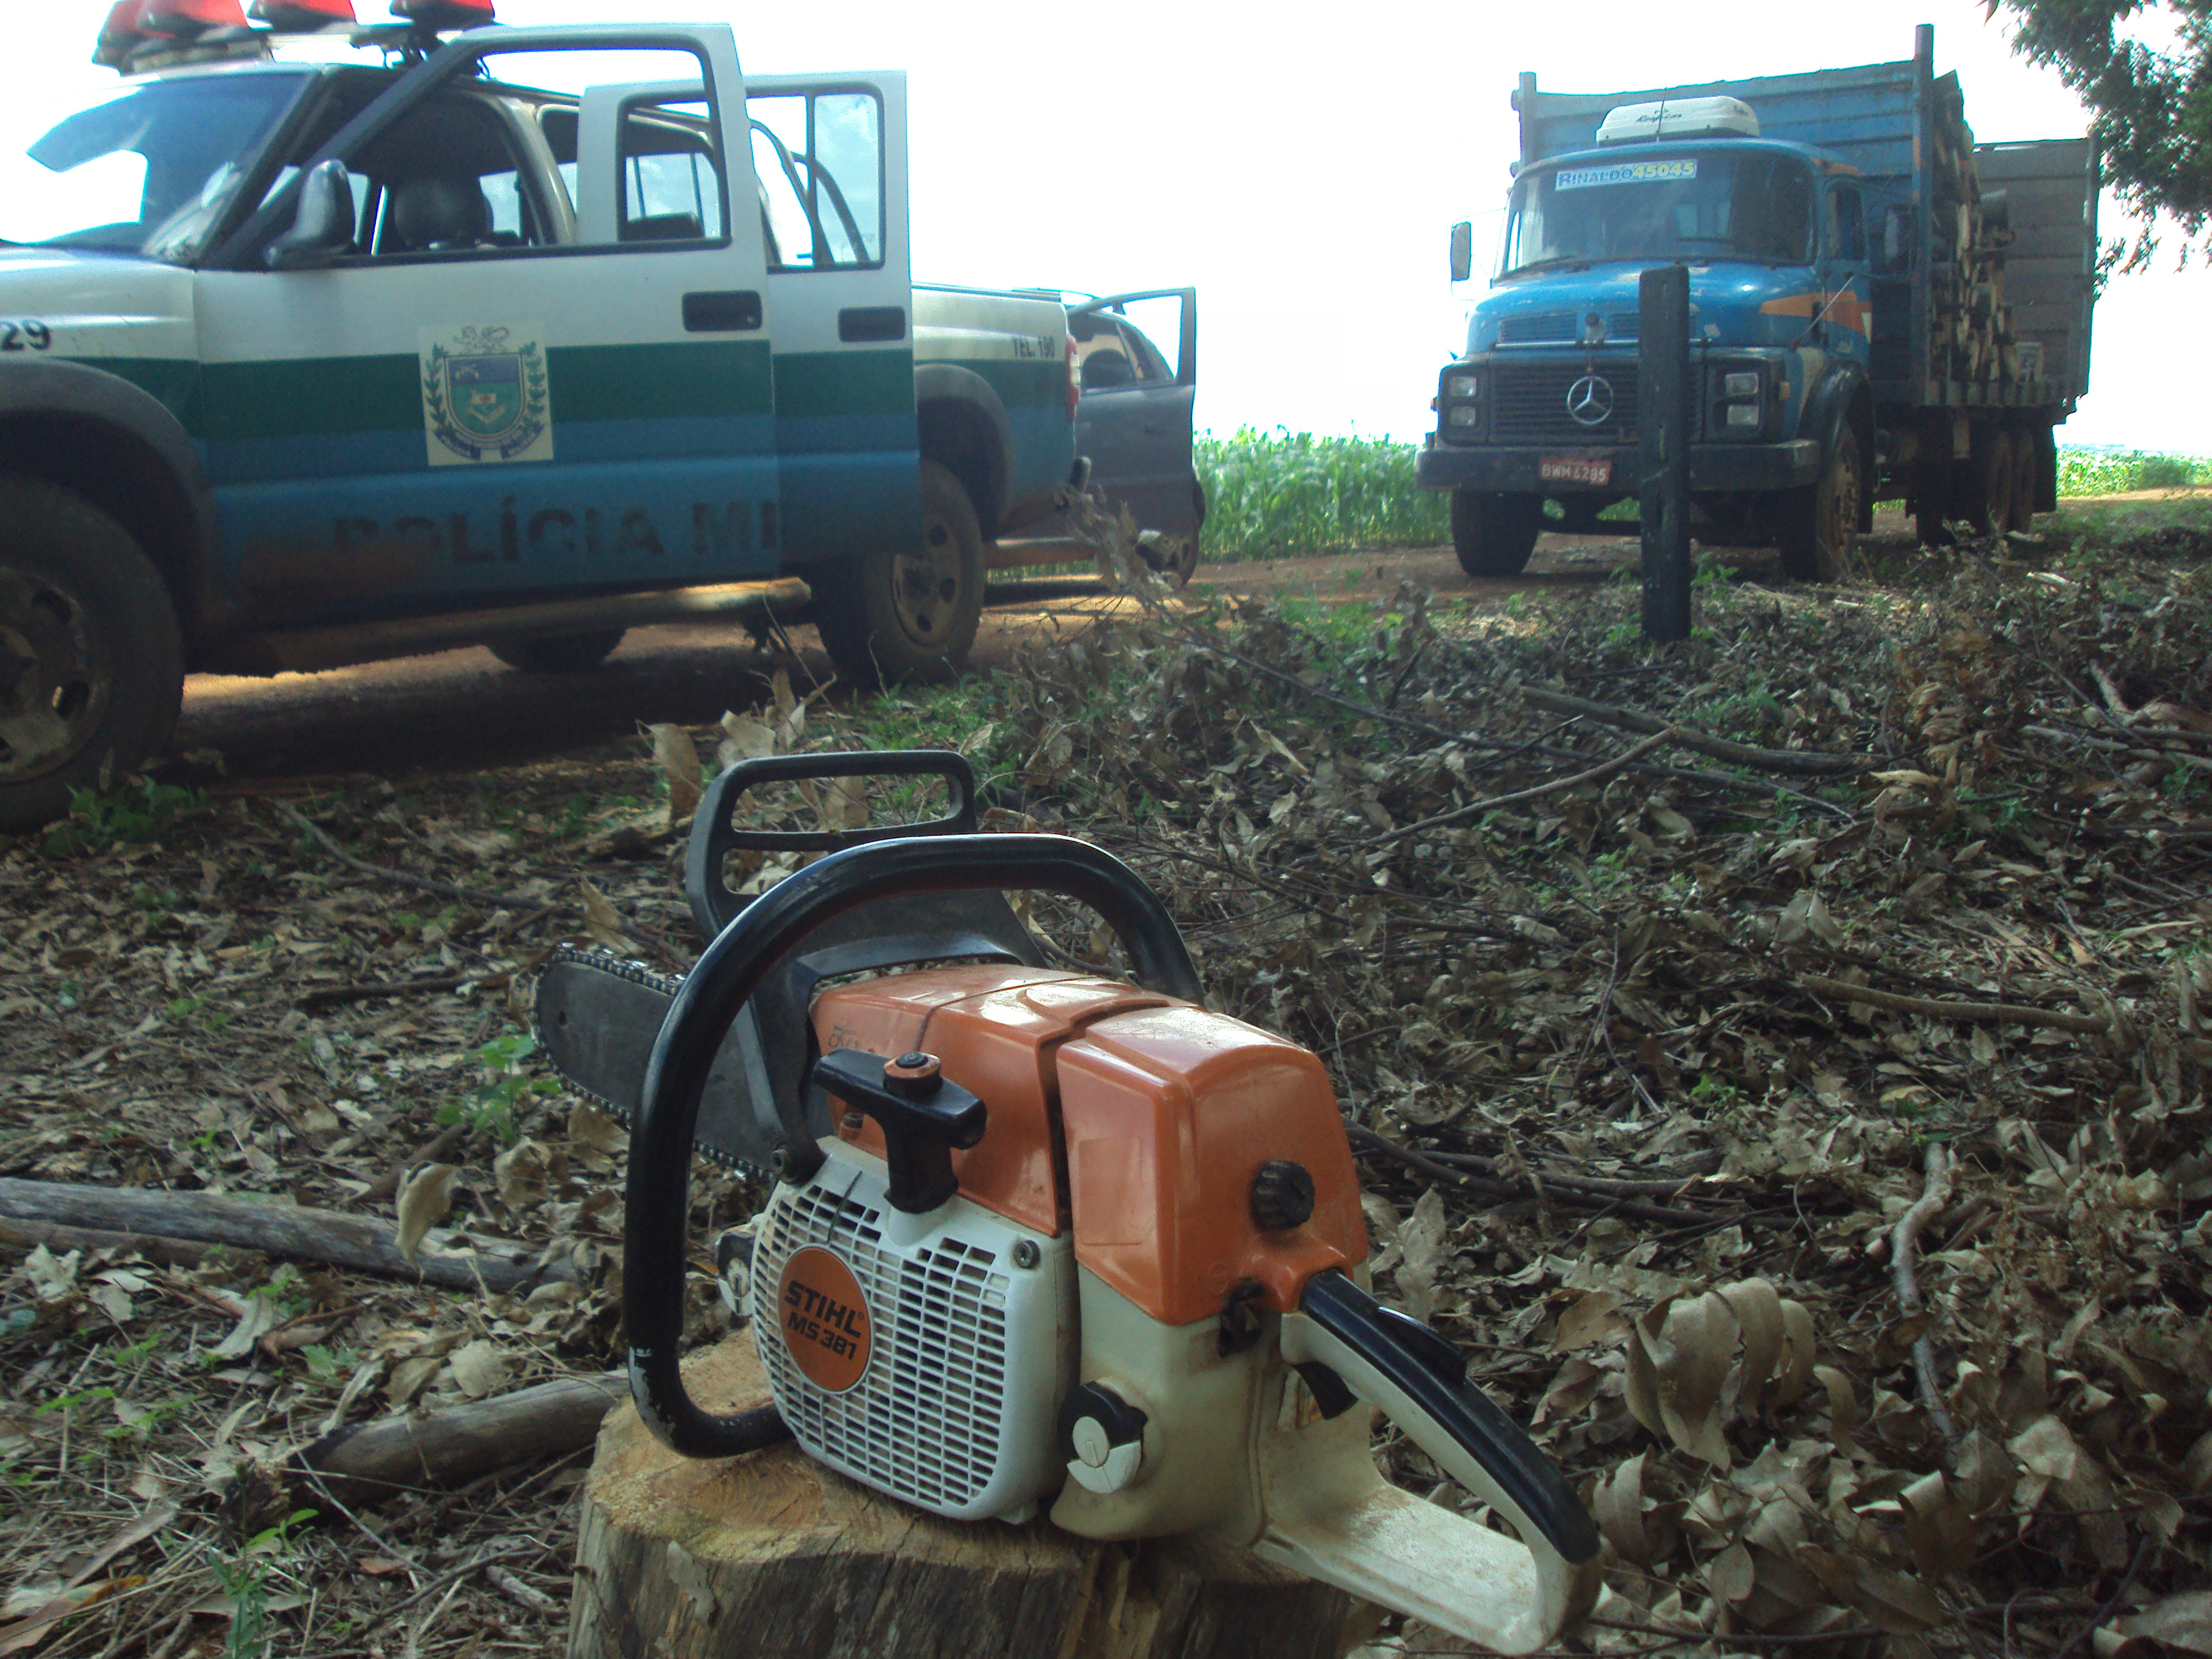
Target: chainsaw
x=1038, y=1239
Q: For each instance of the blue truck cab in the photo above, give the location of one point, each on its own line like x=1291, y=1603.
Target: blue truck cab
x=1870, y=318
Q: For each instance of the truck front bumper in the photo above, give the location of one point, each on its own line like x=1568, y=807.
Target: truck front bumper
x=1513, y=469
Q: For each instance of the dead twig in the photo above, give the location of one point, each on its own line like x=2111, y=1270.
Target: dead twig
x=1904, y=1242
x=1803, y=761
x=1507, y=1191
x=1986, y=1014
x=404, y=878
x=2112, y=1602
x=332, y=994
x=1595, y=775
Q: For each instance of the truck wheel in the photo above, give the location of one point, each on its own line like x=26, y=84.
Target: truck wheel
x=559, y=653
x=1820, y=520
x=91, y=660
x=1494, y=535
x=1982, y=490
x=2024, y=471
x=909, y=615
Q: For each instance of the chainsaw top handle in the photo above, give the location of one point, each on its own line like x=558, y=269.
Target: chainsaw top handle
x=714, y=837
x=657, y=1200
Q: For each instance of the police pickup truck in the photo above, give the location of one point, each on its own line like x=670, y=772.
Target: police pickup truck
x=478, y=335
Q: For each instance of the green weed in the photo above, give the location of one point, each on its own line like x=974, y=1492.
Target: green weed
x=245, y=1581
x=489, y=1107
x=125, y=818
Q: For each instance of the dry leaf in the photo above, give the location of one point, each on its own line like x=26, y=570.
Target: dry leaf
x=677, y=758
x=1592, y=1318
x=481, y=1368
x=1421, y=1245
x=2182, y=1621
x=601, y=922
x=422, y=1203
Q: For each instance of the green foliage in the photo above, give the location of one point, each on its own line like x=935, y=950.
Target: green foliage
x=489, y=1106
x=1288, y=493
x=2113, y=472
x=245, y=1581
x=2152, y=109
x=122, y=817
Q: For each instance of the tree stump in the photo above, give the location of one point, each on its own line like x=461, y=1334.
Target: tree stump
x=773, y=1556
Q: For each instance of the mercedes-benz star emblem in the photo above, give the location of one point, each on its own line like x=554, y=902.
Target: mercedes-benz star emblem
x=1590, y=400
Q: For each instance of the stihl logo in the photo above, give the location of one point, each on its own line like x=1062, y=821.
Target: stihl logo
x=824, y=1319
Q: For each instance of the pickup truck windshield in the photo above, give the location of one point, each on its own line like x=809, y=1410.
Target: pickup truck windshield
x=148, y=172
x=1757, y=205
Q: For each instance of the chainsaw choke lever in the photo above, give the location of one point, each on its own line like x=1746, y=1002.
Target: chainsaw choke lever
x=922, y=1114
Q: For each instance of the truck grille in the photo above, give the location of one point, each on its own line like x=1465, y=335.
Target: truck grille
x=1563, y=328
x=1528, y=402
x=924, y=1422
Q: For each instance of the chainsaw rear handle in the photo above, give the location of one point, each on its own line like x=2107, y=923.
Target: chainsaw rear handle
x=713, y=837
x=657, y=1200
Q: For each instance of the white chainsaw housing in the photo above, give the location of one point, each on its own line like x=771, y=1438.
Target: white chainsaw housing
x=969, y=1352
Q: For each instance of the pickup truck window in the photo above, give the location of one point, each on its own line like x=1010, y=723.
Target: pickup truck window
x=151, y=171
x=487, y=167
x=1755, y=205
x=819, y=158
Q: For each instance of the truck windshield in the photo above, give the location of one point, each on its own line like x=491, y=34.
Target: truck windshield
x=1756, y=205
x=148, y=172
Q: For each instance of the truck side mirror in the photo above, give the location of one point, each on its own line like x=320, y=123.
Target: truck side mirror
x=1462, y=250
x=322, y=226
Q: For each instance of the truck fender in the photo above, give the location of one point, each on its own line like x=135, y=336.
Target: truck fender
x=118, y=447
x=962, y=425
x=1842, y=396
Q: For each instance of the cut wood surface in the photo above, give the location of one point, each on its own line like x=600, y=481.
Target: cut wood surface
x=452, y=1260
x=374, y=1460
x=773, y=1556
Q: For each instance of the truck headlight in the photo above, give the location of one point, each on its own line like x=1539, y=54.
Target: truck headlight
x=1743, y=414
x=1462, y=386
x=1462, y=415
x=1740, y=385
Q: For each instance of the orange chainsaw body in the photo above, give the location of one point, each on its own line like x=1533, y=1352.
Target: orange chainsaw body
x=1134, y=1120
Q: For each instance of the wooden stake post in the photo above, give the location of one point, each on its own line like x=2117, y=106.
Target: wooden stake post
x=1664, y=409
x=773, y=1556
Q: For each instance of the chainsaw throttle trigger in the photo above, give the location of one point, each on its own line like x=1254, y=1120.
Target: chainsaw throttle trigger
x=923, y=1117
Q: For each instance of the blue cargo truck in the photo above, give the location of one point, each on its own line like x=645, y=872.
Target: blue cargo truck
x=1881, y=309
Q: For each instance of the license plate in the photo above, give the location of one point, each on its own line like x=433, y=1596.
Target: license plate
x=1575, y=469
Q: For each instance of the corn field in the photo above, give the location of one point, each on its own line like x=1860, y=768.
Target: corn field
x=1280, y=494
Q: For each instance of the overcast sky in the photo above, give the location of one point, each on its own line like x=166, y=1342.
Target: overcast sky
x=1301, y=165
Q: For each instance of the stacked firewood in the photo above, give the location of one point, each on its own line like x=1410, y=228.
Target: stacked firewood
x=1974, y=340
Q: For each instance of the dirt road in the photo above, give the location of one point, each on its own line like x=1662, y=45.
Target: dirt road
x=462, y=711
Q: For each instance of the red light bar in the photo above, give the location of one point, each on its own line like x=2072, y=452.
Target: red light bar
x=439, y=16
x=189, y=16
x=303, y=16
x=120, y=34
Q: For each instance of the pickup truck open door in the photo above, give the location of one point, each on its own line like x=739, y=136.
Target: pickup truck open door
x=1134, y=419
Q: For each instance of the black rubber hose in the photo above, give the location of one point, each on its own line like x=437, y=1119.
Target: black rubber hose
x=657, y=1201
x=1469, y=1416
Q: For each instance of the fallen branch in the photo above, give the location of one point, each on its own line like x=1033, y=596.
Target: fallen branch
x=1503, y=1192
x=1904, y=1242
x=404, y=878
x=1801, y=761
x=1596, y=774
x=1982, y=1013
x=1603, y=1186
x=393, y=988
x=449, y=1259
x=371, y=1462
x=165, y=1252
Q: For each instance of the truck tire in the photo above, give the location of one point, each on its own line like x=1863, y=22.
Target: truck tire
x=1494, y=535
x=559, y=653
x=92, y=662
x=1982, y=487
x=1820, y=521
x=890, y=616
x=2024, y=481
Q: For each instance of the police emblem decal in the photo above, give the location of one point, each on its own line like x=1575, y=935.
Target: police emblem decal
x=487, y=396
